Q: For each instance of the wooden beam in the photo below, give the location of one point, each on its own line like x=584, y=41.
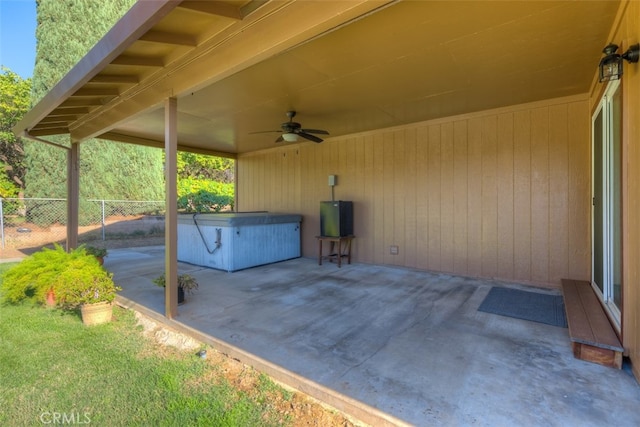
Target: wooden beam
x=62, y=118
x=171, y=208
x=115, y=78
x=48, y=121
x=213, y=8
x=91, y=92
x=157, y=143
x=61, y=112
x=49, y=131
x=138, y=61
x=81, y=102
x=168, y=38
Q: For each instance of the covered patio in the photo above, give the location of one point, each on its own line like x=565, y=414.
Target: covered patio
x=388, y=345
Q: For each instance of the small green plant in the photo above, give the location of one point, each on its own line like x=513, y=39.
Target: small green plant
x=96, y=251
x=188, y=283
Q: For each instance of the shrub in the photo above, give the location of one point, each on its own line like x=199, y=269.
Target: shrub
x=196, y=195
x=35, y=275
x=75, y=277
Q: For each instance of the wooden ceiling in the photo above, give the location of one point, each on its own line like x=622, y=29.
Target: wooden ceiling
x=236, y=67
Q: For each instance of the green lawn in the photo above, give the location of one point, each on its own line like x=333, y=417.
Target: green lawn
x=51, y=365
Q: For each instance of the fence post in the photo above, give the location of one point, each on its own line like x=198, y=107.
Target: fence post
x=2, y=222
x=103, y=222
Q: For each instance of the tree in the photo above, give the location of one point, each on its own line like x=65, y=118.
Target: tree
x=205, y=167
x=14, y=103
x=67, y=29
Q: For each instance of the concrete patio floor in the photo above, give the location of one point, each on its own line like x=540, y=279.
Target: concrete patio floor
x=388, y=345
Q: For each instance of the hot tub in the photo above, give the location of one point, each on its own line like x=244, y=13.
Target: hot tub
x=235, y=241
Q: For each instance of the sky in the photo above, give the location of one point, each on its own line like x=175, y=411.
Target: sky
x=18, y=36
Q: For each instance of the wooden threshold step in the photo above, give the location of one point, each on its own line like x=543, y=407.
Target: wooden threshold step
x=592, y=336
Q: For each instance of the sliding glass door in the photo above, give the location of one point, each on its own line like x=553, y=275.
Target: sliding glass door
x=607, y=203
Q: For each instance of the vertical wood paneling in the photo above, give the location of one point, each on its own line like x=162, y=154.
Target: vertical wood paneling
x=460, y=195
x=540, y=194
x=366, y=236
x=579, y=175
x=400, y=195
x=433, y=188
x=522, y=195
x=505, y=185
x=501, y=195
x=388, y=198
x=474, y=197
x=422, y=199
x=559, y=194
x=489, y=197
x=360, y=228
x=378, y=212
x=446, y=198
x=410, y=201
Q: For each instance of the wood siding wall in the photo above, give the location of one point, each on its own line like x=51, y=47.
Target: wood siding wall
x=500, y=194
x=625, y=33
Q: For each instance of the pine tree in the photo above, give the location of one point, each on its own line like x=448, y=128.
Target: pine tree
x=66, y=31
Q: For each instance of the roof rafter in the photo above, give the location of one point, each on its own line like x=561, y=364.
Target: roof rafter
x=90, y=92
x=213, y=8
x=115, y=78
x=138, y=61
x=168, y=38
x=67, y=111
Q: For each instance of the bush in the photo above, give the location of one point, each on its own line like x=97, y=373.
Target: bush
x=75, y=277
x=34, y=276
x=196, y=195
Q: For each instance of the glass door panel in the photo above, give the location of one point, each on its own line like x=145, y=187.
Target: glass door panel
x=607, y=200
x=598, y=198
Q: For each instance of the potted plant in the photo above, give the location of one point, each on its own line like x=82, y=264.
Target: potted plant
x=187, y=284
x=99, y=253
x=86, y=285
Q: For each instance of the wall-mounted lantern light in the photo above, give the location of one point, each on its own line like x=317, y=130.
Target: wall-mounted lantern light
x=611, y=64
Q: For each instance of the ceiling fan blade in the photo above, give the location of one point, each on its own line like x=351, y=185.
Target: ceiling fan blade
x=265, y=131
x=280, y=139
x=320, y=131
x=310, y=137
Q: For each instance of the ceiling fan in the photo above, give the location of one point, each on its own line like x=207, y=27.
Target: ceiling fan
x=292, y=130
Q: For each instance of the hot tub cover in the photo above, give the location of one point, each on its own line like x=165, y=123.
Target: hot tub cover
x=236, y=219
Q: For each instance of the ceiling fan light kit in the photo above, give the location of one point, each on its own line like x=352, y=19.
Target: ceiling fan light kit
x=290, y=137
x=292, y=130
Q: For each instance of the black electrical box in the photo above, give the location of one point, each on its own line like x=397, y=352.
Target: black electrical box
x=336, y=218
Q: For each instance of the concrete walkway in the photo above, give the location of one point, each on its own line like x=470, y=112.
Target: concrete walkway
x=389, y=345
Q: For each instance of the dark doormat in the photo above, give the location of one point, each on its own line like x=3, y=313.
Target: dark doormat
x=533, y=306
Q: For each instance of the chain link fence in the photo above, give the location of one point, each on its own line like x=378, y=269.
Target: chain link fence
x=33, y=222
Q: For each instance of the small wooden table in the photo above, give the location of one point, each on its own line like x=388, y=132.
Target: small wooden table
x=343, y=250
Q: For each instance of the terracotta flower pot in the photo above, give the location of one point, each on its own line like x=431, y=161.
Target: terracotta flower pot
x=51, y=298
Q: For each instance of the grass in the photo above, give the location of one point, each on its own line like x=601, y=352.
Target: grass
x=110, y=374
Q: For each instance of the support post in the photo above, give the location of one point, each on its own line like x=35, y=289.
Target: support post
x=171, y=207
x=73, y=195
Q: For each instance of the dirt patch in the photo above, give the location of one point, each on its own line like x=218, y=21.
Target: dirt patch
x=293, y=407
